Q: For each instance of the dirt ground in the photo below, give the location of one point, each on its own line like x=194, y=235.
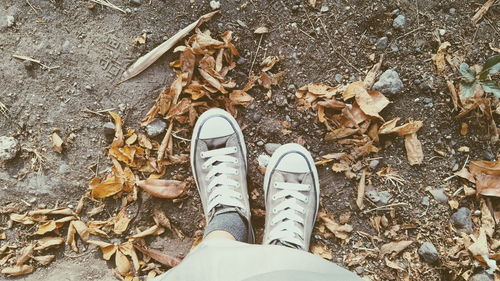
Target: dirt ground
x=91, y=46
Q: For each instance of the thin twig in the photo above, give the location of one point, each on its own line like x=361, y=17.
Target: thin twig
x=385, y=207
x=4, y=110
x=109, y=5
x=408, y=33
x=256, y=54
x=335, y=50
x=32, y=7
x=180, y=138
x=35, y=61
x=306, y=33
x=98, y=112
x=164, y=142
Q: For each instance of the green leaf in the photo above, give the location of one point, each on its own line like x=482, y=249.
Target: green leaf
x=467, y=89
x=491, y=87
x=491, y=66
x=467, y=72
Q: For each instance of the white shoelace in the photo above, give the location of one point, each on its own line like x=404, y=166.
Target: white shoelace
x=288, y=222
x=222, y=189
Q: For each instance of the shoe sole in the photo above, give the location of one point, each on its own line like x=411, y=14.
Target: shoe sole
x=279, y=154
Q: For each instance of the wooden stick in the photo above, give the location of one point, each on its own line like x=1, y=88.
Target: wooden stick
x=256, y=54
x=35, y=61
x=385, y=207
x=109, y=5
x=164, y=142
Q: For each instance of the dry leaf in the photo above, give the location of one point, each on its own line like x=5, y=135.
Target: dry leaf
x=159, y=256
x=312, y=3
x=414, y=151
x=25, y=255
x=372, y=102
x=49, y=242
x=110, y=186
x=145, y=61
x=57, y=142
x=55, y=211
x=340, y=231
x=487, y=220
x=373, y=73
x=121, y=222
x=340, y=133
x=453, y=94
x=123, y=265
x=18, y=270
x=393, y=265
x=240, y=97
x=261, y=30
x=127, y=249
x=161, y=218
x=485, y=167
x=479, y=248
x=44, y=260
x=322, y=251
x=3, y=236
x=394, y=247
x=108, y=249
x=163, y=188
x=154, y=230
x=118, y=140
x=82, y=229
x=268, y=63
x=439, y=58
x=488, y=185
x=46, y=227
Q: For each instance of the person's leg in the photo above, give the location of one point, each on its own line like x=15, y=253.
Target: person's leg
x=219, y=164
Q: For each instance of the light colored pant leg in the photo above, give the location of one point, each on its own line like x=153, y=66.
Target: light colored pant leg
x=225, y=260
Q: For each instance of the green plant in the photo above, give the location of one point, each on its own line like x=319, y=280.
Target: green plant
x=471, y=79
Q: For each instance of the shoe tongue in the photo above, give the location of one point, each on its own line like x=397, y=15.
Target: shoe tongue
x=292, y=177
x=215, y=143
x=222, y=209
x=284, y=243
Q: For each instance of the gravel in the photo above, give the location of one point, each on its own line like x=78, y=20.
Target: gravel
x=462, y=221
x=109, y=129
x=481, y=277
x=439, y=195
x=339, y=78
x=428, y=253
x=382, y=43
x=374, y=163
x=425, y=201
x=263, y=160
x=136, y=2
x=256, y=117
x=259, y=143
x=399, y=22
x=389, y=82
x=270, y=148
x=9, y=147
x=452, y=11
x=156, y=128
x=214, y=5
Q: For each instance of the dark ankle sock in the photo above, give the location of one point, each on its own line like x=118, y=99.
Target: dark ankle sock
x=231, y=222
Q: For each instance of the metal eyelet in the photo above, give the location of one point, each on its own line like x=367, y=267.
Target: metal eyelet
x=240, y=196
x=202, y=154
x=275, y=211
x=236, y=161
x=275, y=184
x=274, y=197
x=307, y=200
x=237, y=172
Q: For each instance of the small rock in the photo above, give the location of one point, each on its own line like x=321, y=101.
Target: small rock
x=427, y=100
x=241, y=60
x=396, y=12
x=488, y=155
x=382, y=43
x=66, y=47
x=452, y=11
x=260, y=143
x=481, y=277
x=394, y=47
x=324, y=9
x=242, y=24
x=88, y=88
x=10, y=21
x=122, y=107
x=359, y=270
x=399, y=22
x=389, y=82
x=214, y=5
x=428, y=253
x=109, y=129
x=464, y=149
x=425, y=201
x=256, y=117
x=155, y=128
x=292, y=88
x=263, y=160
x=270, y=148
x=339, y=78
x=8, y=148
x=281, y=100
x=439, y=195
x=136, y=2
x=64, y=169
x=384, y=197
x=374, y=163
x=462, y=221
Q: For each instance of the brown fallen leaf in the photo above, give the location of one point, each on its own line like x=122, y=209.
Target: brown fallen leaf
x=57, y=142
x=161, y=218
x=46, y=227
x=322, y=251
x=479, y=248
x=159, y=256
x=163, y=188
x=25, y=255
x=240, y=97
x=439, y=58
x=55, y=211
x=393, y=265
x=145, y=61
x=108, y=249
x=394, y=248
x=109, y=187
x=268, y=63
x=118, y=141
x=340, y=231
x=18, y=270
x=340, y=133
x=488, y=185
x=414, y=151
x=453, y=94
x=44, y=260
x=482, y=11
x=3, y=236
x=485, y=167
x=372, y=103
x=122, y=263
x=261, y=30
x=465, y=174
x=127, y=248
x=373, y=73
x=48, y=242
x=154, y=230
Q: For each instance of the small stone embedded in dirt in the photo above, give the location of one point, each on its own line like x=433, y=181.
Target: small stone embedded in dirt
x=10, y=21
x=339, y=78
x=374, y=163
x=488, y=155
x=439, y=195
x=109, y=129
x=136, y=2
x=428, y=253
x=242, y=24
x=270, y=127
x=65, y=47
x=399, y=22
x=9, y=147
x=64, y=169
x=389, y=82
x=425, y=201
x=452, y=11
x=214, y=5
x=324, y=9
x=292, y=88
x=155, y=128
x=263, y=160
x=241, y=60
x=256, y=117
x=384, y=197
x=462, y=221
x=28, y=65
x=382, y=43
x=394, y=46
x=281, y=100
x=259, y=143
x=481, y=277
x=270, y=148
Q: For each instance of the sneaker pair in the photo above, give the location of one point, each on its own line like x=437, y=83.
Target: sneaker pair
x=291, y=185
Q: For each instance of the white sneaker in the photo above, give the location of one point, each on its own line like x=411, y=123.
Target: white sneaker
x=291, y=187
